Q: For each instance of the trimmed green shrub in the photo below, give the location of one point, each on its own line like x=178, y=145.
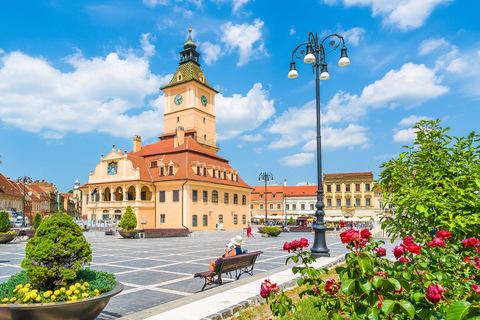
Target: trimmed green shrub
x=129, y=220
x=57, y=252
x=271, y=229
x=4, y=222
x=6, y=288
x=291, y=221
x=37, y=221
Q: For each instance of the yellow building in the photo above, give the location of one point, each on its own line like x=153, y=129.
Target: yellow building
x=178, y=181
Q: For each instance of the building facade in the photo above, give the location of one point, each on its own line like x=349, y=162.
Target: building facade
x=11, y=198
x=273, y=206
x=179, y=181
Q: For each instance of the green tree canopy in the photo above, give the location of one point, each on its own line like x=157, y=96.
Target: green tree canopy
x=434, y=184
x=129, y=220
x=4, y=222
x=37, y=221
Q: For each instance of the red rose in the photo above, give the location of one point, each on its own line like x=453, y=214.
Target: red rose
x=434, y=293
x=403, y=259
x=349, y=235
x=286, y=247
x=304, y=242
x=294, y=245
x=398, y=251
x=471, y=242
x=407, y=240
x=331, y=286
x=476, y=288
x=381, y=252
x=365, y=234
x=414, y=248
x=444, y=234
x=267, y=287
x=437, y=242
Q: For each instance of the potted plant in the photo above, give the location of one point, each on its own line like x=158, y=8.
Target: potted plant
x=5, y=234
x=272, y=231
x=128, y=223
x=54, y=284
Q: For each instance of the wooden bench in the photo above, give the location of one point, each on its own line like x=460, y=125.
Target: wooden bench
x=166, y=232
x=110, y=232
x=301, y=229
x=240, y=264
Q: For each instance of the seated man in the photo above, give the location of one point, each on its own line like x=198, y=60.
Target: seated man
x=229, y=252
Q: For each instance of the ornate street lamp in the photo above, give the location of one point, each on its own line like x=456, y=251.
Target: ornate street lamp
x=265, y=176
x=24, y=180
x=315, y=54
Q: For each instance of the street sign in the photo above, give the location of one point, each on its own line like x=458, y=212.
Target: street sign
x=15, y=214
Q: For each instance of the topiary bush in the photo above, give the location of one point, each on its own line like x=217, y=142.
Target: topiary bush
x=37, y=221
x=271, y=229
x=4, y=222
x=129, y=220
x=57, y=252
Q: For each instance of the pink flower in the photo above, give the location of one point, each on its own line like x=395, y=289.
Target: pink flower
x=315, y=289
x=434, y=293
x=476, y=288
x=380, y=302
x=365, y=234
x=403, y=259
x=381, y=252
x=331, y=286
x=267, y=287
x=349, y=235
x=471, y=242
x=398, y=251
x=438, y=241
x=444, y=234
x=414, y=248
x=407, y=240
x=286, y=247
x=304, y=242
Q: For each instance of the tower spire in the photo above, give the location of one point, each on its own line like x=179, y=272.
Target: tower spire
x=189, y=52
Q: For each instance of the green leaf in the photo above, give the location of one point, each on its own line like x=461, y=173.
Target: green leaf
x=372, y=314
x=300, y=281
x=365, y=285
x=377, y=281
x=348, y=286
x=458, y=310
x=387, y=306
x=395, y=283
x=417, y=296
x=408, y=307
x=365, y=263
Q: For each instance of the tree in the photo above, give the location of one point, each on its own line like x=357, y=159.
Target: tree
x=129, y=220
x=291, y=221
x=58, y=250
x=4, y=222
x=433, y=185
x=37, y=221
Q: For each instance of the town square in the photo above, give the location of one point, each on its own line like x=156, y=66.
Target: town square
x=175, y=159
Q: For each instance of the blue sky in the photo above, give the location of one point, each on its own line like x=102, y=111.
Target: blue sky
x=77, y=76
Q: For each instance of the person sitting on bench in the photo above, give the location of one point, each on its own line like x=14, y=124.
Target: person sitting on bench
x=229, y=252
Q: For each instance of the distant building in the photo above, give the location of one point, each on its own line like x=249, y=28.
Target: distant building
x=178, y=181
x=11, y=198
x=274, y=204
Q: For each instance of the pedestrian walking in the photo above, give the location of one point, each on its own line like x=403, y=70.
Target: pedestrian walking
x=249, y=231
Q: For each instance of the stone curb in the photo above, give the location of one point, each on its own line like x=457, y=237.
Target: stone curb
x=257, y=300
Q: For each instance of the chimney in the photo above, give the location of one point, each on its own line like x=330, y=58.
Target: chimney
x=43, y=180
x=137, y=143
x=179, y=136
x=285, y=182
x=119, y=150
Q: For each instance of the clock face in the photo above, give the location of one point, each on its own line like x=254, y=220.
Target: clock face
x=204, y=101
x=178, y=99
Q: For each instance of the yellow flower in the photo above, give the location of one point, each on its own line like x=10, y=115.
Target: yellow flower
x=33, y=295
x=83, y=288
x=62, y=289
x=72, y=288
x=96, y=290
x=47, y=294
x=52, y=298
x=38, y=299
x=19, y=286
x=28, y=285
x=25, y=290
x=74, y=298
x=85, y=295
x=69, y=292
x=15, y=290
x=86, y=284
x=77, y=284
x=27, y=297
x=35, y=291
x=4, y=300
x=13, y=299
x=76, y=291
x=57, y=292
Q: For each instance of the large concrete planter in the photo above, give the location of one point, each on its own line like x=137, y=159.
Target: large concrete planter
x=274, y=234
x=87, y=309
x=30, y=233
x=128, y=234
x=5, y=238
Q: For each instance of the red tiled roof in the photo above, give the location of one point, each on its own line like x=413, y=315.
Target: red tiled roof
x=67, y=195
x=36, y=189
x=350, y=174
x=301, y=191
x=9, y=187
x=271, y=190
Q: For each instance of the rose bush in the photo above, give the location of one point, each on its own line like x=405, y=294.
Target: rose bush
x=431, y=278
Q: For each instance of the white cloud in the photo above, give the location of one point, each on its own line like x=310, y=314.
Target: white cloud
x=405, y=135
x=410, y=121
x=352, y=135
x=297, y=160
x=187, y=14
x=147, y=47
x=353, y=36
x=292, y=31
x=385, y=156
x=252, y=137
x=211, y=52
x=166, y=24
x=432, y=44
x=305, y=183
x=154, y=3
x=247, y=38
x=403, y=14
x=237, y=4
x=237, y=114
x=458, y=65
x=96, y=96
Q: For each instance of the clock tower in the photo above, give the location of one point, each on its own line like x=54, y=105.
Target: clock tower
x=190, y=101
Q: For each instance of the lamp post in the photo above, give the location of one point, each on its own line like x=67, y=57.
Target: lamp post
x=265, y=176
x=315, y=54
x=24, y=180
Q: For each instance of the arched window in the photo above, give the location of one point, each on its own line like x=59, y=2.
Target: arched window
x=131, y=194
x=145, y=194
x=235, y=219
x=220, y=218
x=194, y=220
x=106, y=194
x=215, y=196
x=205, y=220
x=244, y=219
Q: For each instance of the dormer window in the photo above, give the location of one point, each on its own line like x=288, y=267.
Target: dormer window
x=213, y=173
x=205, y=172
x=153, y=164
x=202, y=79
x=162, y=171
x=170, y=170
x=236, y=177
x=198, y=171
x=224, y=175
x=232, y=177
x=180, y=77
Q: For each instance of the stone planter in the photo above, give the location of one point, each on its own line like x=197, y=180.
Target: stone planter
x=4, y=238
x=274, y=234
x=30, y=233
x=128, y=234
x=87, y=309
